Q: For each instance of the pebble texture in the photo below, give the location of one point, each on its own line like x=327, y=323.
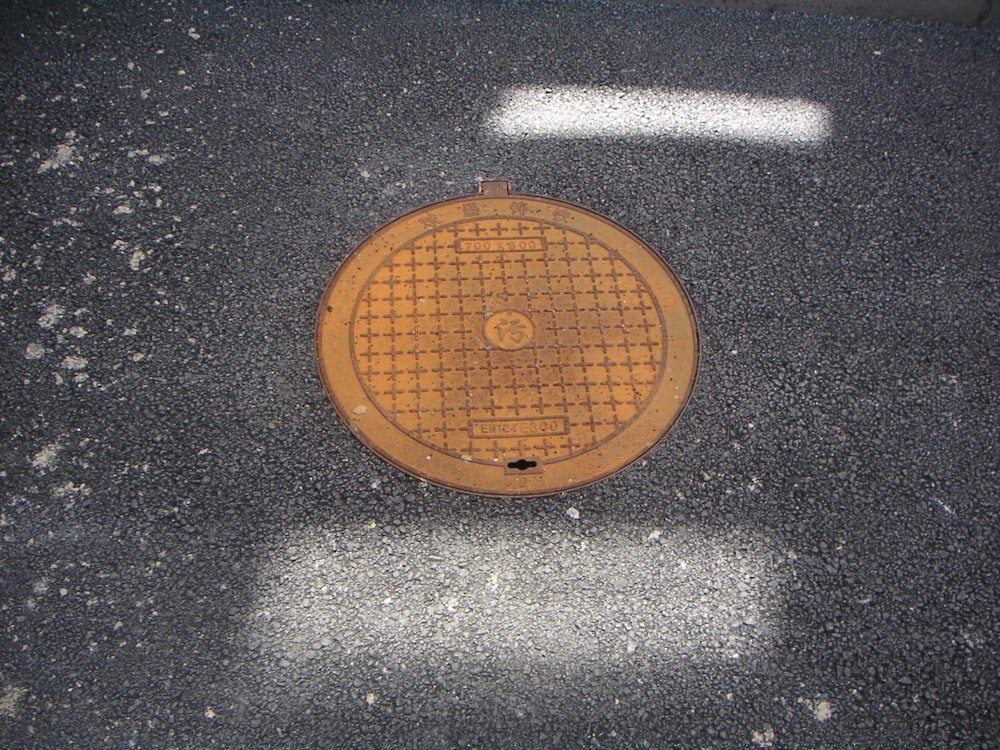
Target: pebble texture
x=196, y=552
x=964, y=12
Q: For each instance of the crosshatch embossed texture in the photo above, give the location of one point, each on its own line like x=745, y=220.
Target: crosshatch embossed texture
x=507, y=344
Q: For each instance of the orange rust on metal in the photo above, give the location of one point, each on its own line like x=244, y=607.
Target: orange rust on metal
x=507, y=344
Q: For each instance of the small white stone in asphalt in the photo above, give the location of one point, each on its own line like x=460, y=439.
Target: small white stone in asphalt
x=46, y=457
x=34, y=351
x=62, y=156
x=573, y=513
x=74, y=363
x=52, y=315
x=822, y=710
x=9, y=700
x=764, y=738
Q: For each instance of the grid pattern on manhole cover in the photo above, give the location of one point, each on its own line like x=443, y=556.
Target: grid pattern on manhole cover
x=591, y=331
x=506, y=344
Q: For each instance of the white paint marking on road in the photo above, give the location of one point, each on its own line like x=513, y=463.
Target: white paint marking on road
x=603, y=112
x=339, y=596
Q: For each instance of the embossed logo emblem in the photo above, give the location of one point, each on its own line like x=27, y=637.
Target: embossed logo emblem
x=509, y=330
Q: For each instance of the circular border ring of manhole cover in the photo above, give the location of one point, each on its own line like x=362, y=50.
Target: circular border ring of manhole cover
x=507, y=344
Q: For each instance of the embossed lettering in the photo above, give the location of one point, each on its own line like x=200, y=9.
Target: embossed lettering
x=500, y=245
x=518, y=427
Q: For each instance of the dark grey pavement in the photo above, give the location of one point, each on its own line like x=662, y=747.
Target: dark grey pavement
x=965, y=12
x=195, y=551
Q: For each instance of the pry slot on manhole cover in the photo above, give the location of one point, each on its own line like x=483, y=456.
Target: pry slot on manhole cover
x=507, y=344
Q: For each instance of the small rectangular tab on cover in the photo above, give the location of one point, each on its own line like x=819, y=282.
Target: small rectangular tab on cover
x=494, y=188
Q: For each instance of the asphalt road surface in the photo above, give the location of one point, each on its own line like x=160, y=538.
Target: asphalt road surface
x=197, y=553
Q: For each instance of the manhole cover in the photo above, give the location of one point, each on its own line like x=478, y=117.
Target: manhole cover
x=507, y=344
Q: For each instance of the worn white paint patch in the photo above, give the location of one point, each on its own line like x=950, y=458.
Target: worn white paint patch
x=136, y=259
x=72, y=362
x=821, y=709
x=944, y=506
x=338, y=595
x=157, y=160
x=52, y=315
x=47, y=457
x=77, y=331
x=124, y=209
x=71, y=488
x=764, y=738
x=64, y=154
x=34, y=351
x=9, y=700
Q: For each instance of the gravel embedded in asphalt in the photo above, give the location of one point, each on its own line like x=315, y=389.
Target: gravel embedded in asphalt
x=197, y=553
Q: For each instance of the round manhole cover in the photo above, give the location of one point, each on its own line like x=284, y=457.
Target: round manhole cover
x=507, y=344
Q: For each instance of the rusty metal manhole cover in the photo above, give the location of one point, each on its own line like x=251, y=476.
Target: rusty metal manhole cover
x=507, y=344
